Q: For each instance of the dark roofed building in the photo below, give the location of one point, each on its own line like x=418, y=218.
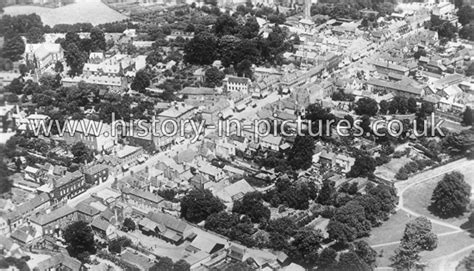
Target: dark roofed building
x=69, y=186
x=38, y=203
x=397, y=88
x=103, y=228
x=61, y=262
x=176, y=229
x=85, y=212
x=197, y=92
x=55, y=220
x=144, y=200
x=96, y=174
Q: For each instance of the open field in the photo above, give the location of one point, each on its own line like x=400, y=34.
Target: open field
x=83, y=11
x=418, y=197
x=447, y=245
x=392, y=229
x=388, y=171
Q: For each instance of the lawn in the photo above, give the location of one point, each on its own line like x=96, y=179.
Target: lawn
x=388, y=171
x=418, y=197
x=392, y=229
x=447, y=245
x=83, y=11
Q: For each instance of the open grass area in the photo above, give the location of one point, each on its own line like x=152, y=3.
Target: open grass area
x=392, y=229
x=83, y=11
x=447, y=244
x=418, y=197
x=388, y=171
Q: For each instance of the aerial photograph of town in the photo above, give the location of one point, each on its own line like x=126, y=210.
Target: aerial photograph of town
x=236, y=135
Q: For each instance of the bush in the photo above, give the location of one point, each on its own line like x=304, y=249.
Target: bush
x=401, y=174
x=328, y=212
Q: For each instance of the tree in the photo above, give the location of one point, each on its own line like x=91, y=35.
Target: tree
x=384, y=105
x=226, y=49
x=225, y=25
x=141, y=81
x=366, y=106
x=163, y=264
x=418, y=232
x=97, y=40
x=327, y=259
x=13, y=48
x=451, y=196
x=372, y=208
x=471, y=219
x=201, y=49
x=252, y=206
x=284, y=226
x=81, y=153
x=214, y=77
x=128, y=224
x=35, y=35
x=181, y=265
x=301, y=154
x=364, y=166
x=244, y=68
x=306, y=244
x=5, y=184
x=411, y=105
x=406, y=256
x=447, y=30
x=365, y=252
x=75, y=59
x=350, y=261
x=467, y=32
x=465, y=15
x=386, y=196
x=467, y=116
x=197, y=205
x=154, y=58
x=419, y=53
x=79, y=239
x=327, y=195
x=353, y=216
x=250, y=29
x=470, y=70
x=221, y=222
x=58, y=67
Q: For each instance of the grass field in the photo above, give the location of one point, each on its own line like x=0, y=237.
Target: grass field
x=83, y=11
x=392, y=229
x=388, y=171
x=418, y=197
x=447, y=245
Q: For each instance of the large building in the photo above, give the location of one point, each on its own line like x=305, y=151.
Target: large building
x=69, y=186
x=43, y=55
x=95, y=135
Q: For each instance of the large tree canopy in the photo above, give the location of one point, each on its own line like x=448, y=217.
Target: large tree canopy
x=80, y=240
x=451, y=196
x=197, y=205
